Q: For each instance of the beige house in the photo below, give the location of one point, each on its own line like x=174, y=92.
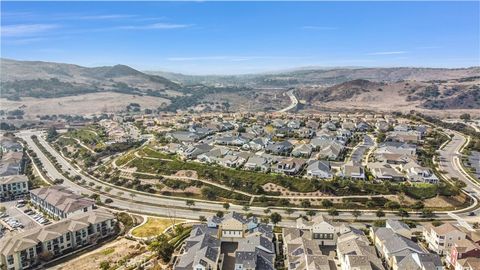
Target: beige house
x=322, y=229
x=441, y=239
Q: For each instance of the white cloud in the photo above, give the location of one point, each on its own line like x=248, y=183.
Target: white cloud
x=158, y=26
x=313, y=27
x=105, y=17
x=26, y=29
x=387, y=53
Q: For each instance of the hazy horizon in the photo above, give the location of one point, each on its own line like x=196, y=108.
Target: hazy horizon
x=205, y=38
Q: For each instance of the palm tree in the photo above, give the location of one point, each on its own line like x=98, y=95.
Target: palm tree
x=356, y=213
x=190, y=203
x=226, y=206
x=380, y=213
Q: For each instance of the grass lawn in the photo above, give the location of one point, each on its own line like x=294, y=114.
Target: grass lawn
x=154, y=226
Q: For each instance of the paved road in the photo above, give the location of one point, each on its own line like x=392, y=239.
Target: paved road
x=155, y=204
x=359, y=151
x=449, y=162
x=293, y=104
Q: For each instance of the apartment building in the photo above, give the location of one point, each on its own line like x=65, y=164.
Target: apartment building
x=441, y=239
x=60, y=202
x=29, y=248
x=13, y=186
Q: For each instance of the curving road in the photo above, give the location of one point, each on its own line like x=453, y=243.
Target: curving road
x=293, y=100
x=146, y=203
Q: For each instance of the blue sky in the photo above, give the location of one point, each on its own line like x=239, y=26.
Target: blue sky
x=243, y=37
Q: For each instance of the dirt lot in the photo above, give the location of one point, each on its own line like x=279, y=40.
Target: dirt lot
x=112, y=252
x=81, y=104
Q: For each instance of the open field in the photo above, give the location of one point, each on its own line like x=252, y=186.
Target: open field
x=81, y=104
x=154, y=226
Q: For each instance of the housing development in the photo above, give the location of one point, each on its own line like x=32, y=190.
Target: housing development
x=240, y=135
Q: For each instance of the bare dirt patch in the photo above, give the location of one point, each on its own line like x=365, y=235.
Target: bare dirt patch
x=112, y=252
x=93, y=103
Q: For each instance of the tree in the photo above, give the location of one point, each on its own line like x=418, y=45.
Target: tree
x=465, y=117
x=311, y=213
x=380, y=213
x=356, y=213
x=275, y=218
x=402, y=213
x=427, y=213
x=226, y=206
x=333, y=212
x=51, y=134
x=105, y=265
x=327, y=203
x=162, y=248
x=246, y=208
x=289, y=211
x=306, y=203
x=392, y=205
x=202, y=218
x=190, y=203
x=219, y=214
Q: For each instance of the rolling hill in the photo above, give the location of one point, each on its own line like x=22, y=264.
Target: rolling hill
x=47, y=79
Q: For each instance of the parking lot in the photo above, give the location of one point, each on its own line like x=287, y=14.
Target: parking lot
x=17, y=220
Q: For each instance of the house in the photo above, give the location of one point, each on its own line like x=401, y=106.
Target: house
x=441, y=239
x=8, y=144
x=391, y=246
x=420, y=261
x=214, y=155
x=289, y=166
x=404, y=136
x=249, y=241
x=393, y=158
x=302, y=150
x=468, y=264
x=193, y=151
x=183, y=136
x=24, y=250
x=201, y=250
x=353, y=171
x=383, y=172
x=60, y=202
x=398, y=227
x=354, y=252
x=232, y=160
x=303, y=252
x=319, y=169
x=322, y=229
x=330, y=150
x=279, y=148
x=462, y=249
x=231, y=140
x=259, y=163
x=13, y=186
x=417, y=173
x=362, y=127
x=257, y=144
x=11, y=163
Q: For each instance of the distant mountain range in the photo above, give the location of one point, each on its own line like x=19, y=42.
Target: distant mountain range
x=324, y=76
x=47, y=79
x=428, y=88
